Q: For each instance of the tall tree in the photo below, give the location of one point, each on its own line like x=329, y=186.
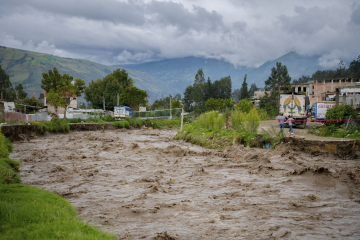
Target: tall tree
x=133, y=97
x=222, y=88
x=59, y=87
x=252, y=90
x=108, y=88
x=244, y=93
x=5, y=83
x=354, y=68
x=278, y=81
x=20, y=93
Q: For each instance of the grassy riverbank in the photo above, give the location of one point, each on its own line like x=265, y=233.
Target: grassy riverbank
x=28, y=212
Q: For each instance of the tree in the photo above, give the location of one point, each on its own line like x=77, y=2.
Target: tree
x=133, y=97
x=252, y=90
x=5, y=83
x=354, y=68
x=31, y=104
x=214, y=104
x=244, y=106
x=59, y=87
x=302, y=79
x=278, y=81
x=108, y=88
x=244, y=93
x=21, y=94
x=41, y=96
x=10, y=95
x=222, y=88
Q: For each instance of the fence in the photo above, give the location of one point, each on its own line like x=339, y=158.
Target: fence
x=158, y=114
x=43, y=116
x=13, y=116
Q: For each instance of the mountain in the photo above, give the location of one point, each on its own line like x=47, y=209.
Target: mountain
x=296, y=64
x=26, y=67
x=180, y=72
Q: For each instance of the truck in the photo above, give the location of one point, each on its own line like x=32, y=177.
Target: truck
x=295, y=105
x=121, y=112
x=319, y=109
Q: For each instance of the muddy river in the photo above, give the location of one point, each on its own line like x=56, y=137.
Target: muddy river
x=141, y=184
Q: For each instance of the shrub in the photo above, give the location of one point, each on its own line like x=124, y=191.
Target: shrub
x=121, y=124
x=109, y=118
x=341, y=112
x=253, y=120
x=219, y=122
x=245, y=106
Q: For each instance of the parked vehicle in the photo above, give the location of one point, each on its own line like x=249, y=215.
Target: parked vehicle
x=319, y=110
x=121, y=112
x=297, y=106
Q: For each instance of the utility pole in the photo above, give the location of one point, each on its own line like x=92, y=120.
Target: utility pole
x=104, y=101
x=117, y=99
x=170, y=110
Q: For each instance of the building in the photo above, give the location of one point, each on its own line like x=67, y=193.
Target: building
x=71, y=101
x=317, y=90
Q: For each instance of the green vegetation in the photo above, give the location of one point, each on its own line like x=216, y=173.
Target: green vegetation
x=340, y=129
x=196, y=95
x=30, y=213
x=133, y=97
x=209, y=131
x=54, y=126
x=26, y=67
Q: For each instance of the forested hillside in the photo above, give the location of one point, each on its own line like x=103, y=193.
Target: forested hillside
x=26, y=67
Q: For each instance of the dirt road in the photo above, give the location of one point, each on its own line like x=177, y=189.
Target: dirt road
x=140, y=184
x=272, y=126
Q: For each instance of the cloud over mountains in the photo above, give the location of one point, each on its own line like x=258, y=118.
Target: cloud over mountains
x=242, y=32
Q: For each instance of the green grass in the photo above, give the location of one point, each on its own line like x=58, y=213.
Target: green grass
x=336, y=131
x=122, y=124
x=31, y=213
x=220, y=138
x=54, y=126
x=9, y=171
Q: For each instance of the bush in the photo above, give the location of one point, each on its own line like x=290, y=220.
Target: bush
x=219, y=122
x=341, y=112
x=109, y=118
x=122, y=124
x=245, y=106
x=253, y=120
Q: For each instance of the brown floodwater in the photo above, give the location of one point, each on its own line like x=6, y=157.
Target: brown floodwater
x=141, y=184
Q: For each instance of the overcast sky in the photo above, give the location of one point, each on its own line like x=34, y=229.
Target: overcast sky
x=242, y=32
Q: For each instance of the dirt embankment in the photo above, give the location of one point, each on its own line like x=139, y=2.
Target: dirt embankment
x=28, y=132
x=343, y=149
x=141, y=184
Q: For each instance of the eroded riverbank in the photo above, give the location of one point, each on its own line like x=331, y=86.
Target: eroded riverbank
x=140, y=183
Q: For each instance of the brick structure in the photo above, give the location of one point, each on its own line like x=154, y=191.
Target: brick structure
x=317, y=89
x=72, y=99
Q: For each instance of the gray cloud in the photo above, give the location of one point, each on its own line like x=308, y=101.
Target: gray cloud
x=244, y=32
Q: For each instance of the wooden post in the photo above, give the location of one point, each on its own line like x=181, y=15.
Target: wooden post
x=182, y=119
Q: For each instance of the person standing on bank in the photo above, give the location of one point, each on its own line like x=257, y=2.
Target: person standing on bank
x=281, y=119
x=289, y=121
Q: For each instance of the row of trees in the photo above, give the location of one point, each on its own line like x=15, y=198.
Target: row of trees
x=353, y=71
x=196, y=95
x=108, y=88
